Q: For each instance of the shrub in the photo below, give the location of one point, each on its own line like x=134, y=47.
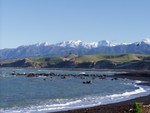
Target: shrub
x=137, y=108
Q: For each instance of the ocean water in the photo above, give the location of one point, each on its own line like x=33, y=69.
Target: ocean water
x=21, y=94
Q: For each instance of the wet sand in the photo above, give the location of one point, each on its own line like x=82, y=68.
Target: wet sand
x=125, y=106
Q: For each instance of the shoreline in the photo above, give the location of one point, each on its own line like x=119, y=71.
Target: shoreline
x=81, y=69
x=120, y=107
x=123, y=106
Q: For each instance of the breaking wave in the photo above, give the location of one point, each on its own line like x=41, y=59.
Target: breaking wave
x=81, y=102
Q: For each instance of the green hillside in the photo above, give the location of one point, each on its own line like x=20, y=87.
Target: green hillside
x=52, y=59
x=100, y=61
x=85, y=58
x=112, y=57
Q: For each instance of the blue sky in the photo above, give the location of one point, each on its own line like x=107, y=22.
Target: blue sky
x=26, y=22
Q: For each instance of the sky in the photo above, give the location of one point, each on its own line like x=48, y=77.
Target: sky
x=25, y=22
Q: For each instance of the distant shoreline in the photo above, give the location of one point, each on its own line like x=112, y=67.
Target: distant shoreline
x=80, y=69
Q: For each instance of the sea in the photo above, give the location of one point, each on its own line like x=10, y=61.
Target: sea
x=21, y=94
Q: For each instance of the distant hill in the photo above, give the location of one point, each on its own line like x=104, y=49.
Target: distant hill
x=76, y=47
x=98, y=61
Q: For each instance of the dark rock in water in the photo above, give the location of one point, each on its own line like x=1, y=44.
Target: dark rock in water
x=13, y=73
x=63, y=77
x=52, y=74
x=114, y=78
x=45, y=74
x=87, y=82
x=44, y=78
x=32, y=75
x=102, y=77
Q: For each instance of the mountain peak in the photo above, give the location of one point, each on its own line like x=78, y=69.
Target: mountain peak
x=44, y=44
x=106, y=43
x=71, y=43
x=146, y=41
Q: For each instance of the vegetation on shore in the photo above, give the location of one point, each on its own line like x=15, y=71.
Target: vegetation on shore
x=100, y=61
x=138, y=108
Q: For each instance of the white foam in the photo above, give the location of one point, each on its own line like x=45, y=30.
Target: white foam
x=68, y=103
x=138, y=81
x=140, y=90
x=82, y=73
x=87, y=101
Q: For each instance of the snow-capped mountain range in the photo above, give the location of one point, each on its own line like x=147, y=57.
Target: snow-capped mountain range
x=79, y=43
x=76, y=44
x=76, y=47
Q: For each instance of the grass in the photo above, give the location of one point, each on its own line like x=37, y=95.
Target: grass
x=112, y=57
x=120, y=58
x=47, y=59
x=86, y=58
x=137, y=108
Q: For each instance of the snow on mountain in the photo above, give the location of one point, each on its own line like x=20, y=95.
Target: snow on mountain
x=79, y=43
x=124, y=43
x=94, y=44
x=83, y=44
x=146, y=41
x=76, y=47
x=44, y=44
x=106, y=43
x=71, y=43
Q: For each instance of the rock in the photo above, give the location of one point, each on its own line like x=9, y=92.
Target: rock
x=87, y=82
x=32, y=75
